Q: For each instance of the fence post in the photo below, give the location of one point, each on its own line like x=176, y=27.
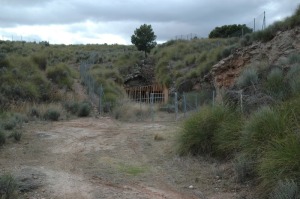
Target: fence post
x=140, y=98
x=152, y=106
x=241, y=100
x=196, y=101
x=176, y=106
x=184, y=104
x=213, y=98
x=100, y=99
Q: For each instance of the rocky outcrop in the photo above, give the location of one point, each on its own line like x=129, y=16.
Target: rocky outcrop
x=142, y=74
x=225, y=73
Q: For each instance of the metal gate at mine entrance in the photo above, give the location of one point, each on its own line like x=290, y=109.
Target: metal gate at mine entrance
x=144, y=94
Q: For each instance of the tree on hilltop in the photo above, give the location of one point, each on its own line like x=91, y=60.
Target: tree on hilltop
x=144, y=38
x=230, y=31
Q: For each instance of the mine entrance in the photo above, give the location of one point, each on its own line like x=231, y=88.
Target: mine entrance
x=143, y=93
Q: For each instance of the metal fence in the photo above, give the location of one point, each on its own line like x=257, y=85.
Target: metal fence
x=148, y=108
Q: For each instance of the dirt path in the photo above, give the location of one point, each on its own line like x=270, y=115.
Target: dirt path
x=102, y=158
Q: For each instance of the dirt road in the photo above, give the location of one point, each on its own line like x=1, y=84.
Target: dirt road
x=95, y=158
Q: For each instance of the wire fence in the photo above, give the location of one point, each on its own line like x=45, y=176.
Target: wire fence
x=152, y=107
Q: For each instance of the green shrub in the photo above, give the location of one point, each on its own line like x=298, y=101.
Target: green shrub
x=281, y=161
x=246, y=40
x=263, y=126
x=10, y=124
x=291, y=110
x=16, y=135
x=3, y=60
x=198, y=132
x=131, y=112
x=247, y=78
x=293, y=78
x=294, y=58
x=286, y=189
x=34, y=112
x=14, y=120
x=40, y=60
x=227, y=137
x=84, y=109
x=275, y=84
x=8, y=187
x=52, y=114
x=61, y=75
x=2, y=137
x=72, y=107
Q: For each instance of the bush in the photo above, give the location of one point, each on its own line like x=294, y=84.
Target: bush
x=263, y=126
x=34, y=112
x=2, y=138
x=16, y=135
x=198, y=132
x=61, y=75
x=275, y=84
x=293, y=78
x=52, y=114
x=10, y=124
x=131, y=112
x=281, y=161
x=84, y=109
x=13, y=121
x=40, y=60
x=8, y=187
x=247, y=78
x=227, y=137
x=246, y=40
x=3, y=60
x=294, y=58
x=286, y=189
x=72, y=107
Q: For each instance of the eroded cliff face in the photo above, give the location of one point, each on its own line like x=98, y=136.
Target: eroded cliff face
x=224, y=74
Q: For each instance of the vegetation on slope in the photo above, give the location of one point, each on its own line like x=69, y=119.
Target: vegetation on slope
x=263, y=141
x=177, y=61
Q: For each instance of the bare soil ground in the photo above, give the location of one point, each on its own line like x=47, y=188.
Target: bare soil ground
x=103, y=158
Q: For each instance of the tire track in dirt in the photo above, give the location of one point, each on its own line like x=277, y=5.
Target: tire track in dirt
x=69, y=164
x=94, y=158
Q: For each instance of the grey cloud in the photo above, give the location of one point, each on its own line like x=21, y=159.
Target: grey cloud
x=168, y=18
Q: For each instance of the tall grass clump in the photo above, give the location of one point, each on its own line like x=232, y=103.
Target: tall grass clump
x=293, y=79
x=198, y=133
x=275, y=84
x=263, y=126
x=227, y=137
x=8, y=187
x=41, y=60
x=3, y=60
x=16, y=134
x=61, y=74
x=13, y=120
x=286, y=189
x=52, y=114
x=249, y=77
x=280, y=162
x=294, y=58
x=132, y=112
x=72, y=107
x=84, y=109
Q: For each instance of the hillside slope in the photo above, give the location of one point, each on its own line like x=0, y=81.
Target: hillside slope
x=275, y=52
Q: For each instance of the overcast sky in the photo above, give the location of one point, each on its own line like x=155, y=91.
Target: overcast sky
x=114, y=21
